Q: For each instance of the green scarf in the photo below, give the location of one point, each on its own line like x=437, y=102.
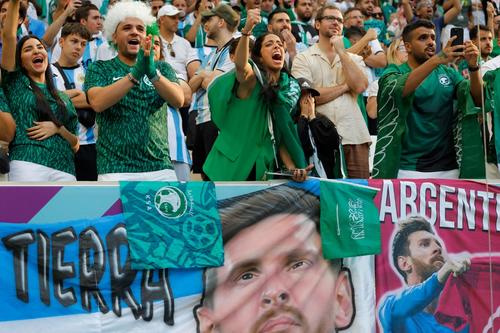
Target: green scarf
x=281, y=109
x=491, y=99
x=393, y=110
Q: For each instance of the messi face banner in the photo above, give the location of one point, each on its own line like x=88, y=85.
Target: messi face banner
x=439, y=270
x=62, y=275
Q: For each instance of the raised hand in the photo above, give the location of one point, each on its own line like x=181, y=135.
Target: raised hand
x=471, y=53
x=139, y=69
x=253, y=18
x=149, y=57
x=450, y=53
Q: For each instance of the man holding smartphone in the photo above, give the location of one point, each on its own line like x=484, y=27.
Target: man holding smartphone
x=419, y=132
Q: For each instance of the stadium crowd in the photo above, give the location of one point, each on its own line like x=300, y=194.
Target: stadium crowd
x=249, y=89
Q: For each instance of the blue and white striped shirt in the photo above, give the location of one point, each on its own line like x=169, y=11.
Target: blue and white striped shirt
x=76, y=77
x=216, y=60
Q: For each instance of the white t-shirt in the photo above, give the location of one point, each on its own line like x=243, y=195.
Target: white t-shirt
x=184, y=55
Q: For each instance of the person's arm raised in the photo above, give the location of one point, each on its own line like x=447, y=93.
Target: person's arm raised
x=244, y=72
x=9, y=35
x=53, y=29
x=407, y=10
x=453, y=11
x=357, y=48
x=471, y=55
x=170, y=91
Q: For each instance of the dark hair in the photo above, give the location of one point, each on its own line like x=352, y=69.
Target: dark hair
x=23, y=10
x=162, y=55
x=42, y=104
x=75, y=29
x=83, y=12
x=352, y=9
x=296, y=3
x=239, y=213
x=268, y=91
x=234, y=45
x=414, y=26
x=474, y=32
x=321, y=11
x=354, y=32
x=400, y=244
x=277, y=11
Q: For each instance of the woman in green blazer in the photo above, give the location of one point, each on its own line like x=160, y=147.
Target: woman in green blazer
x=252, y=108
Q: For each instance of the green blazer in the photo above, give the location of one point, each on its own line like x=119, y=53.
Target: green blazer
x=244, y=139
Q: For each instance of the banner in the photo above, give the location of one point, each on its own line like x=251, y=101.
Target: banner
x=439, y=270
x=66, y=267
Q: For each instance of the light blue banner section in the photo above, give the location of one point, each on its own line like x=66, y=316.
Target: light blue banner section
x=182, y=282
x=76, y=202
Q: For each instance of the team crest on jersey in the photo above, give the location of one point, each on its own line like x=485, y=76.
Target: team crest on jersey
x=80, y=78
x=444, y=80
x=170, y=202
x=146, y=81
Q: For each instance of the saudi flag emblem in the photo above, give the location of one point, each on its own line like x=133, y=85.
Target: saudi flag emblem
x=170, y=202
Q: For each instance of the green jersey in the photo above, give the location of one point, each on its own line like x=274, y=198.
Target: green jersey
x=4, y=107
x=428, y=143
x=54, y=152
x=133, y=132
x=201, y=35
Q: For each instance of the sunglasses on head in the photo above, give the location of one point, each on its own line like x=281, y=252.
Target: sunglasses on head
x=171, y=50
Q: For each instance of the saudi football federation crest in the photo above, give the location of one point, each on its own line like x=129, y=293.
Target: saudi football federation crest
x=170, y=202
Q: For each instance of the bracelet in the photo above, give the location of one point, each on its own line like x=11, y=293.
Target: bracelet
x=246, y=34
x=155, y=78
x=132, y=79
x=473, y=69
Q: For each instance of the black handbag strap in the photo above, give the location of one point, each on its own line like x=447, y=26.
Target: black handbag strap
x=67, y=84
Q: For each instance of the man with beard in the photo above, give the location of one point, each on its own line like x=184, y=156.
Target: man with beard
x=366, y=6
x=340, y=77
x=416, y=115
x=280, y=24
x=127, y=92
x=302, y=27
x=275, y=278
x=482, y=37
x=419, y=256
x=424, y=10
x=219, y=24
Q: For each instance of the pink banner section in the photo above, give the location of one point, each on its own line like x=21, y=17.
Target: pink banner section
x=439, y=268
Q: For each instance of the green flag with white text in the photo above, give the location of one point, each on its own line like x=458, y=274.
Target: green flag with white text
x=349, y=220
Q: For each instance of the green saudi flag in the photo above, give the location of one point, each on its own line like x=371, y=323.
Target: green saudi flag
x=349, y=220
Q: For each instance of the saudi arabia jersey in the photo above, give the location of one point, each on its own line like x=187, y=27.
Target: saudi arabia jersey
x=54, y=152
x=428, y=144
x=133, y=132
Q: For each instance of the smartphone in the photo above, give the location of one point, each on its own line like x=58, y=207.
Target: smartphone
x=459, y=32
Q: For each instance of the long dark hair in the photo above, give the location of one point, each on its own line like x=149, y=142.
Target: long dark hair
x=42, y=104
x=269, y=91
